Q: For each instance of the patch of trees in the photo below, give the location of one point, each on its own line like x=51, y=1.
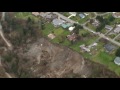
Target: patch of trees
x=118, y=52
x=77, y=28
x=24, y=29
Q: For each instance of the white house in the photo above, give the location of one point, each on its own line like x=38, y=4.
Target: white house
x=73, y=13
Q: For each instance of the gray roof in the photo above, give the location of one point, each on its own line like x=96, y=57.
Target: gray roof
x=117, y=60
x=117, y=29
x=110, y=47
x=57, y=22
x=108, y=27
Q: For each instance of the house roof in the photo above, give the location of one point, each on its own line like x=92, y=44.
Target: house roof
x=66, y=25
x=117, y=29
x=117, y=60
x=71, y=28
x=35, y=13
x=73, y=13
x=72, y=37
x=82, y=15
x=108, y=27
x=109, y=47
x=57, y=22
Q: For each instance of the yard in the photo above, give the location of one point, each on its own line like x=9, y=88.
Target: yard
x=25, y=15
x=80, y=20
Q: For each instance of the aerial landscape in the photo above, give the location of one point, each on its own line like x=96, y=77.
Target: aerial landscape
x=59, y=44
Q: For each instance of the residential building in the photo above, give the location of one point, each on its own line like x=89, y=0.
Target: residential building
x=72, y=37
x=71, y=28
x=36, y=13
x=109, y=47
x=108, y=27
x=82, y=16
x=66, y=25
x=117, y=60
x=73, y=13
x=96, y=23
x=116, y=14
x=117, y=29
x=57, y=22
x=84, y=48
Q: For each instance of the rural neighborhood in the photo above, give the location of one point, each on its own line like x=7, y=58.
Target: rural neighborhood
x=93, y=35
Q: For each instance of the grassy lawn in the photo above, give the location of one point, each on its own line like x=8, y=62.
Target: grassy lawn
x=91, y=26
x=48, y=28
x=80, y=20
x=66, y=14
x=25, y=15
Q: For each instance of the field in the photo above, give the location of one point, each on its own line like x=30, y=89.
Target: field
x=25, y=15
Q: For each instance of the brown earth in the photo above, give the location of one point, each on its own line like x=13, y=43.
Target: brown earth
x=46, y=60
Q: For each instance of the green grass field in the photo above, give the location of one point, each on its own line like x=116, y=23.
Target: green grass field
x=25, y=15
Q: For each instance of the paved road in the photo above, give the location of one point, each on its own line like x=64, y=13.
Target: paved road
x=116, y=36
x=64, y=17
x=2, y=34
x=90, y=30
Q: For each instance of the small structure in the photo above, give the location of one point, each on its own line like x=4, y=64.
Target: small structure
x=82, y=16
x=73, y=13
x=72, y=37
x=36, y=13
x=117, y=60
x=117, y=29
x=57, y=22
x=96, y=23
x=71, y=28
x=109, y=47
x=51, y=36
x=85, y=48
x=108, y=27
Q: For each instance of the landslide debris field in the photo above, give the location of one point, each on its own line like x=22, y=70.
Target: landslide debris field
x=47, y=60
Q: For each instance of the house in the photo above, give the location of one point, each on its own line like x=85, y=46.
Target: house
x=86, y=14
x=117, y=60
x=51, y=36
x=85, y=48
x=116, y=14
x=82, y=15
x=108, y=27
x=96, y=23
x=57, y=22
x=71, y=28
x=66, y=25
x=109, y=47
x=72, y=37
x=36, y=13
x=73, y=13
x=117, y=29
x=44, y=14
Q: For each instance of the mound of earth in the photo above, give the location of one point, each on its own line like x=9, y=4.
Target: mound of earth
x=47, y=60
